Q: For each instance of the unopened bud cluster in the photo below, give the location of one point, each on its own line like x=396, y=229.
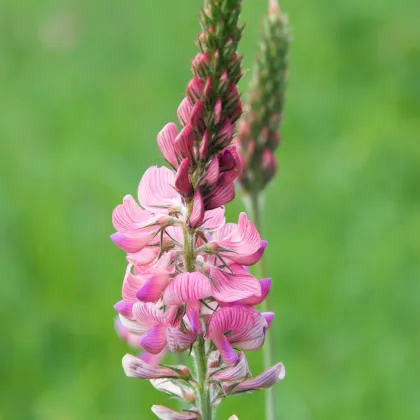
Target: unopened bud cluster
x=258, y=135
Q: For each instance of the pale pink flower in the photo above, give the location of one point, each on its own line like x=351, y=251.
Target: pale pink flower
x=165, y=413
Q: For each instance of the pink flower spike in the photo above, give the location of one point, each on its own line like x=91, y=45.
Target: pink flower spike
x=195, y=90
x=184, y=113
x=255, y=299
x=182, y=181
x=156, y=189
x=187, y=287
x=137, y=368
x=265, y=380
x=165, y=413
x=197, y=215
x=235, y=373
x=236, y=326
x=165, y=141
x=222, y=193
x=184, y=143
x=268, y=316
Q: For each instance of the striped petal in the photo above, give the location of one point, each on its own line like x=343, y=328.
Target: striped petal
x=154, y=341
x=155, y=284
x=166, y=140
x=265, y=380
x=185, y=287
x=214, y=219
x=234, y=283
x=165, y=413
x=179, y=341
x=184, y=112
x=198, y=214
x=134, y=367
x=156, y=189
x=234, y=373
x=255, y=299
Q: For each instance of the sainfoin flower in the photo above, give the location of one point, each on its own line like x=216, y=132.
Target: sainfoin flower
x=187, y=286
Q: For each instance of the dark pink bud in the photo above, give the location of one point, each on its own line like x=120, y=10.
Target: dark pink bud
x=195, y=90
x=224, y=136
x=197, y=121
x=197, y=215
x=212, y=173
x=184, y=142
x=237, y=112
x=269, y=164
x=222, y=193
x=184, y=112
x=226, y=160
x=208, y=87
x=223, y=82
x=235, y=168
x=204, y=146
x=182, y=181
x=263, y=137
x=232, y=96
x=201, y=64
x=218, y=111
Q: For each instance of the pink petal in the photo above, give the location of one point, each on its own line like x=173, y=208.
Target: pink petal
x=218, y=111
x=227, y=352
x=268, y=316
x=197, y=215
x=193, y=315
x=255, y=299
x=124, y=308
x=184, y=143
x=165, y=141
x=195, y=90
x=165, y=413
x=185, y=287
x=130, y=243
x=214, y=219
x=234, y=373
x=254, y=258
x=204, y=146
x=173, y=388
x=245, y=327
x=137, y=368
x=197, y=115
x=144, y=257
x=131, y=284
x=155, y=340
x=154, y=286
x=184, y=112
x=178, y=340
x=128, y=216
x=222, y=193
x=131, y=339
x=148, y=314
x=153, y=359
x=212, y=173
x=235, y=284
x=156, y=189
x=265, y=380
x=182, y=181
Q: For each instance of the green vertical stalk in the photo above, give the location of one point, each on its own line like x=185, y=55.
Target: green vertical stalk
x=199, y=353
x=253, y=203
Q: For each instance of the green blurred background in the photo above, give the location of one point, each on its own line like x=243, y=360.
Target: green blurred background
x=84, y=88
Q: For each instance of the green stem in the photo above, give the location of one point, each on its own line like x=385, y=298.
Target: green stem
x=253, y=202
x=203, y=385
x=199, y=353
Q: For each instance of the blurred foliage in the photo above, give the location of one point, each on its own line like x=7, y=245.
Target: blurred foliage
x=84, y=88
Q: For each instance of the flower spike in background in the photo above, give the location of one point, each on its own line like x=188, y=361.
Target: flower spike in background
x=258, y=136
x=187, y=286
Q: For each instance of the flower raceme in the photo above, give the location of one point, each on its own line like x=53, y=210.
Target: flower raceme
x=187, y=285
x=166, y=308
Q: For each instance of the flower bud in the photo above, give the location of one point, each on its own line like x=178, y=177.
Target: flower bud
x=195, y=90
